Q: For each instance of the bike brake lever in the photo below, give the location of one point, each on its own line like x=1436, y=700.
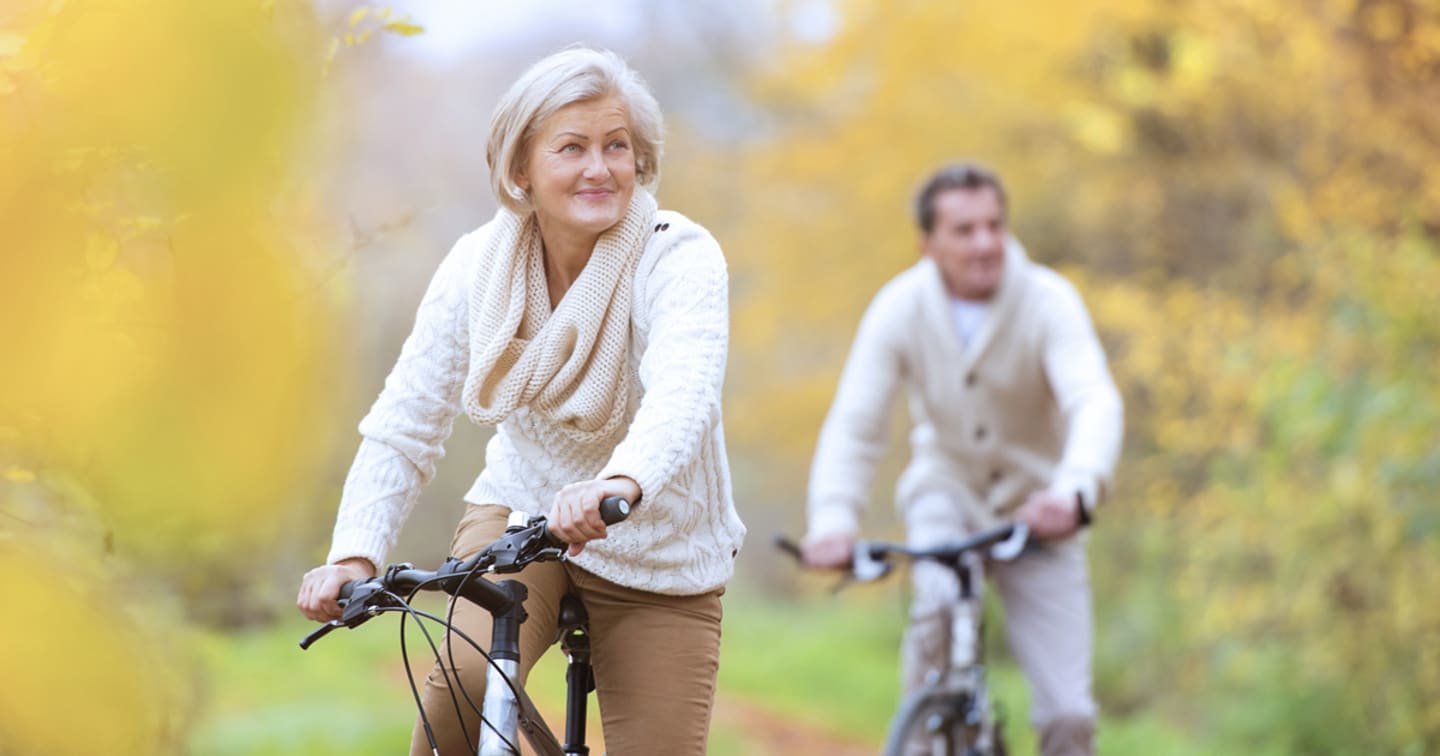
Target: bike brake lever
x=319, y=633
x=864, y=566
x=789, y=547
x=1011, y=547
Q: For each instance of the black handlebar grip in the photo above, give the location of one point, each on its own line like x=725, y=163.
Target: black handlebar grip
x=613, y=509
x=349, y=587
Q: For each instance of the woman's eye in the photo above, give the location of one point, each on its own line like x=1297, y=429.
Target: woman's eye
x=572, y=147
x=619, y=145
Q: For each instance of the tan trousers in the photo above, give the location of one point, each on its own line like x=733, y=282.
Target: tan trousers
x=655, y=657
x=1048, y=624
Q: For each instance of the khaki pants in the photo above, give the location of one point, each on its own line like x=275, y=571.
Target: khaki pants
x=655, y=657
x=1048, y=625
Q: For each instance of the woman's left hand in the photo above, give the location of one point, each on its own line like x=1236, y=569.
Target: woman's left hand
x=575, y=516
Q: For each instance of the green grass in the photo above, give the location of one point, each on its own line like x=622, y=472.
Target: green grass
x=825, y=665
x=832, y=663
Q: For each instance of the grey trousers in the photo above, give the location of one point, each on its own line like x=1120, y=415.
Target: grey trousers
x=1048, y=622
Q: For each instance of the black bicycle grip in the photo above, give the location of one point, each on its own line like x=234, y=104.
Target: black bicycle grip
x=613, y=509
x=349, y=587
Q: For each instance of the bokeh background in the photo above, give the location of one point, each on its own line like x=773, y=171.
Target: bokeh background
x=217, y=218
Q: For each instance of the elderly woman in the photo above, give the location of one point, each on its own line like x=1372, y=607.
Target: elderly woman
x=590, y=328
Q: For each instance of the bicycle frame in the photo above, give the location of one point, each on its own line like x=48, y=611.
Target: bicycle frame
x=949, y=702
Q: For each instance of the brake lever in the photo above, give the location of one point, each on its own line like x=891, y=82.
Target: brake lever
x=865, y=567
x=789, y=547
x=1011, y=547
x=320, y=632
x=525, y=540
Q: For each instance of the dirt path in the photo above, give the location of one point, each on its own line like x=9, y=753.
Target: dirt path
x=760, y=731
x=769, y=734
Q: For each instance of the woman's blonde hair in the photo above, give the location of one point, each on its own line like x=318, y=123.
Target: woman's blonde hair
x=576, y=74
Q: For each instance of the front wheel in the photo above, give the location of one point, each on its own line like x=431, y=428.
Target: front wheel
x=941, y=723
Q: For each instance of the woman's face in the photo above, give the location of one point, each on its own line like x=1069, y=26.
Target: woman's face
x=580, y=171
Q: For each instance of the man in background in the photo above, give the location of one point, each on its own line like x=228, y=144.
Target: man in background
x=1015, y=416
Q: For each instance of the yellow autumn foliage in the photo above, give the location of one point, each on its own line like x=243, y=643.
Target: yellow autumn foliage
x=1245, y=192
x=166, y=349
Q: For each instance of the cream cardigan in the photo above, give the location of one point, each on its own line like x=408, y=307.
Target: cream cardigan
x=1029, y=406
x=684, y=535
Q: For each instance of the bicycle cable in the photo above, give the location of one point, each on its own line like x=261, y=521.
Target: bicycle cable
x=449, y=684
x=448, y=623
x=450, y=651
x=411, y=612
x=408, y=611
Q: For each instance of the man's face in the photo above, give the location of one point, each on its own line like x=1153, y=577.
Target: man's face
x=967, y=241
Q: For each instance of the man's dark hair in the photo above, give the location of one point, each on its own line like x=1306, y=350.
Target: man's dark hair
x=969, y=176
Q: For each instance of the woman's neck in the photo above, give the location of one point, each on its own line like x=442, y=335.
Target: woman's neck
x=565, y=255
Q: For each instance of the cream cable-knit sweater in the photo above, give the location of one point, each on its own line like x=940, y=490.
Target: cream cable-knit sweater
x=1029, y=405
x=684, y=535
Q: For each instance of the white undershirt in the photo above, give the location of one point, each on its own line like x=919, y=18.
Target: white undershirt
x=969, y=316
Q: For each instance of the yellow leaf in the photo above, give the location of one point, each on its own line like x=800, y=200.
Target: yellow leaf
x=100, y=252
x=10, y=43
x=402, y=27
x=17, y=474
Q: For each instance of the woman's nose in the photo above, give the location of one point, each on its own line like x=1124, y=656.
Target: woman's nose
x=595, y=166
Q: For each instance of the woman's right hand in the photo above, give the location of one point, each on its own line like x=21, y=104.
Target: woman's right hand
x=321, y=587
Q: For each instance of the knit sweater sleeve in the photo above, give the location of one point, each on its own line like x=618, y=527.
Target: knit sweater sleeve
x=405, y=431
x=1076, y=369
x=682, y=304
x=855, y=431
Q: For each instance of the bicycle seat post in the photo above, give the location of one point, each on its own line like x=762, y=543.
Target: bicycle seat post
x=579, y=676
x=501, y=708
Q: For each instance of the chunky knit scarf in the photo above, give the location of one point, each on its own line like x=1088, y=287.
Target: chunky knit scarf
x=568, y=366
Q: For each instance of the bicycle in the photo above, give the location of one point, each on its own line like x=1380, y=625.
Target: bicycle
x=506, y=710
x=952, y=714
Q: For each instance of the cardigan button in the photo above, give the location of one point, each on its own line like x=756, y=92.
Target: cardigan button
x=980, y=433
x=995, y=475
x=970, y=378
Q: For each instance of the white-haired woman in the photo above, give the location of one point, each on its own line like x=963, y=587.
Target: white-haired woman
x=590, y=328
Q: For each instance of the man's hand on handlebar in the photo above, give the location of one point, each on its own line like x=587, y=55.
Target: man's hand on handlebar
x=321, y=587
x=1049, y=515
x=834, y=551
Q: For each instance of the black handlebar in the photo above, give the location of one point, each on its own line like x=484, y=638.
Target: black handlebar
x=1005, y=543
x=520, y=545
x=1015, y=533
